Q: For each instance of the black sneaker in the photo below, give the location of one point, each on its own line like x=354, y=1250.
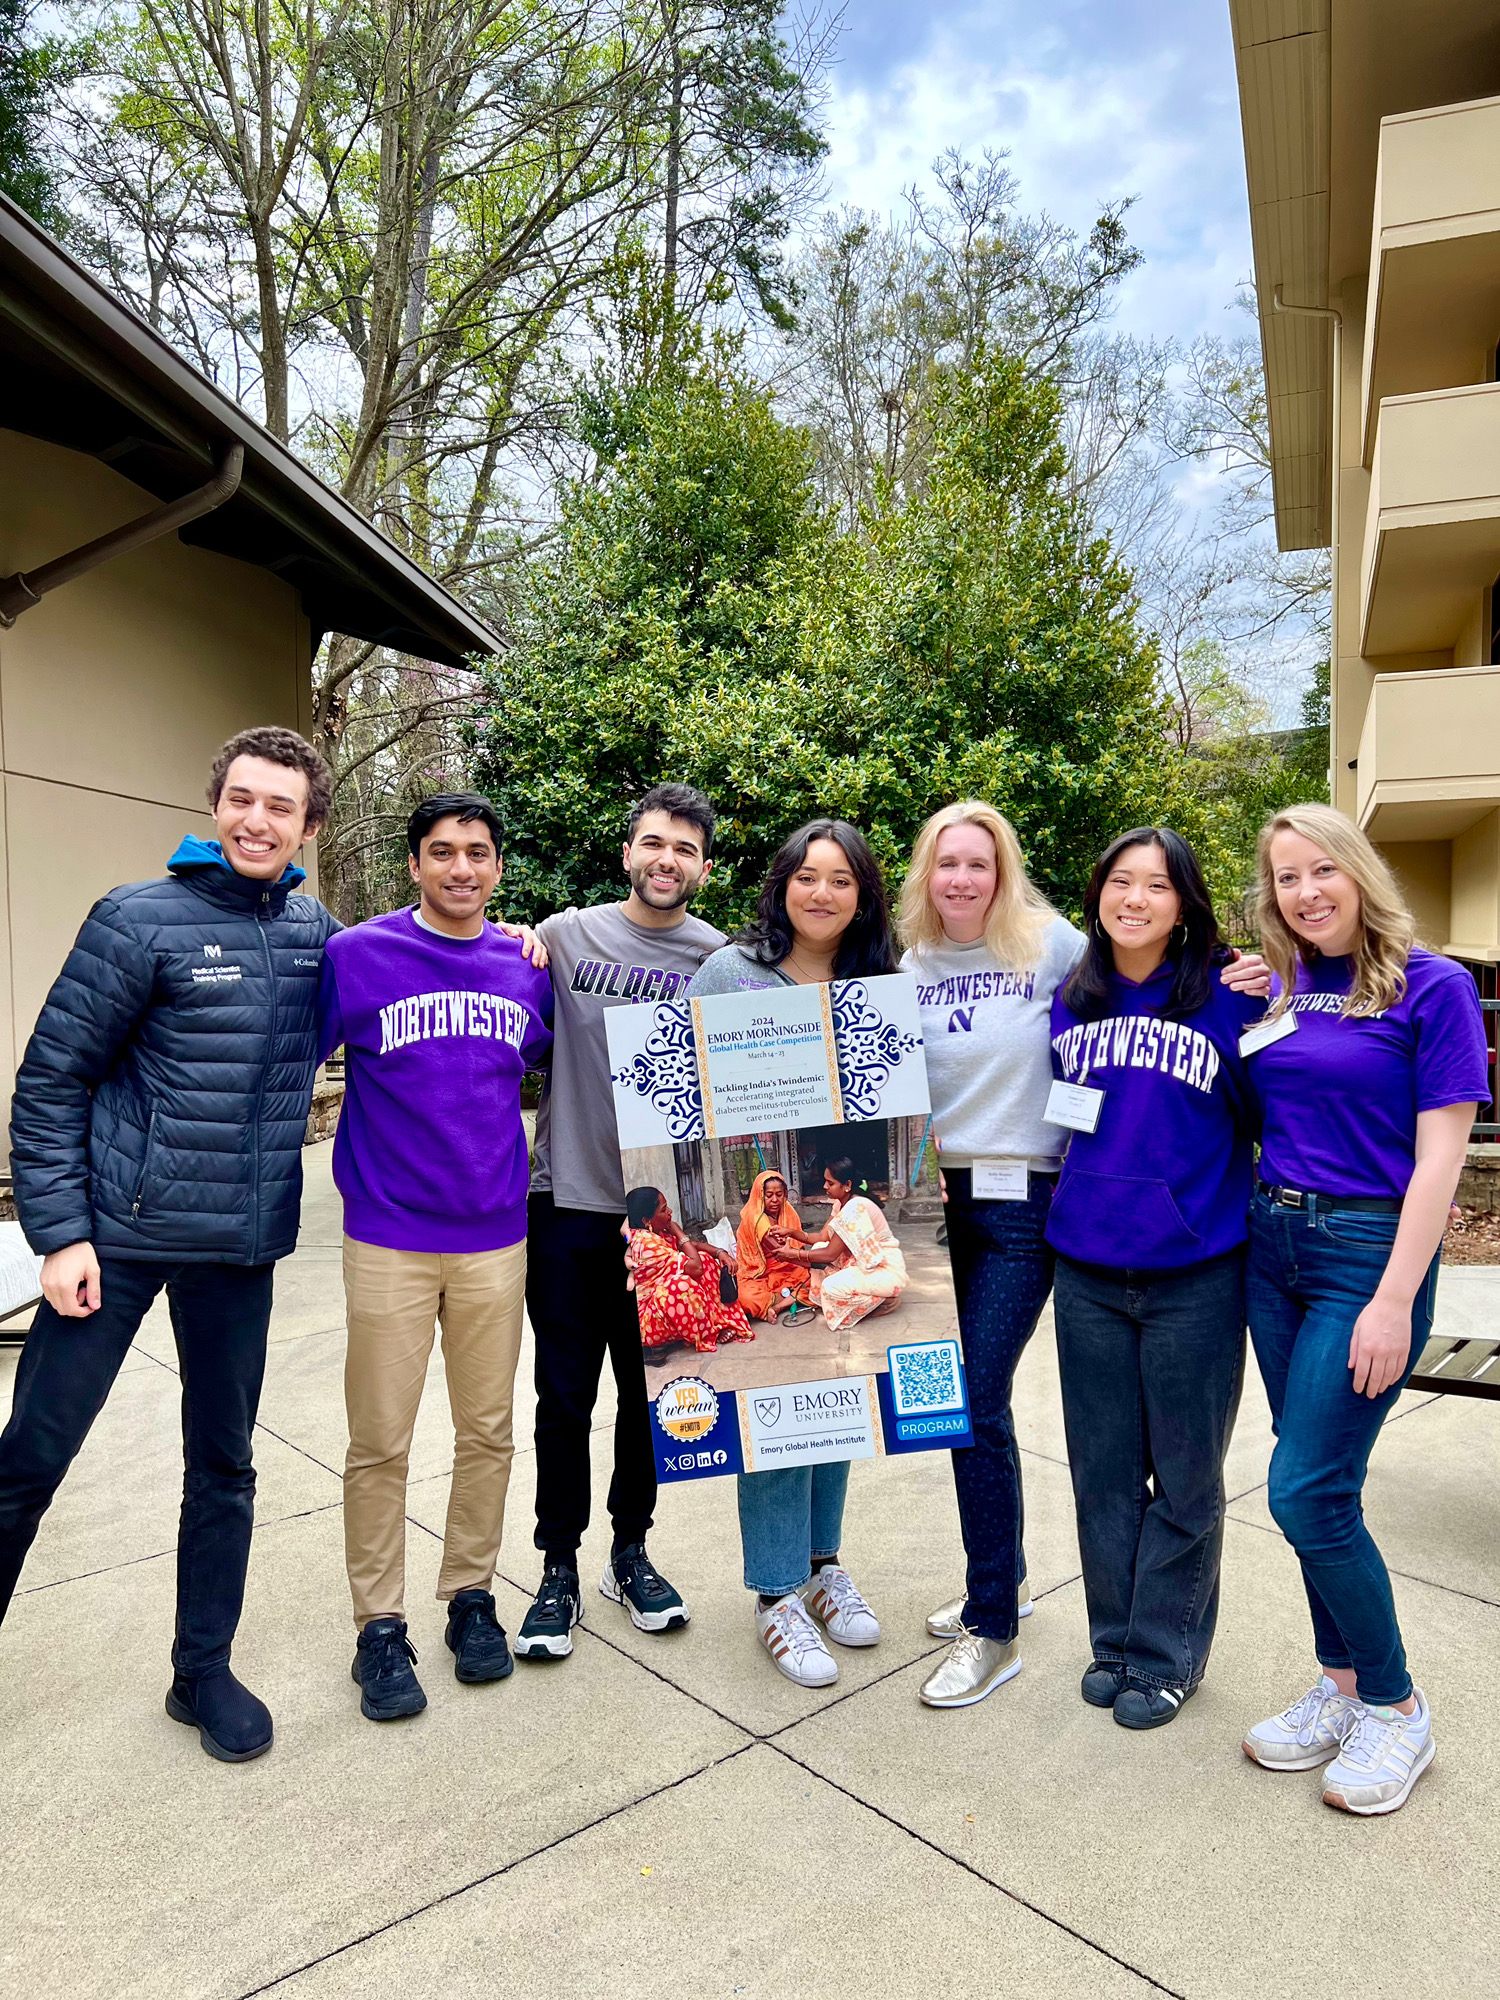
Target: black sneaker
x=1139, y=1707
x=632, y=1579
x=476, y=1638
x=547, y=1629
x=1103, y=1682
x=383, y=1660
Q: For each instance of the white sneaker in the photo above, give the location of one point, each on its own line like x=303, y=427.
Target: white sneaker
x=832, y=1599
x=795, y=1643
x=1306, y=1734
x=947, y=1622
x=1380, y=1760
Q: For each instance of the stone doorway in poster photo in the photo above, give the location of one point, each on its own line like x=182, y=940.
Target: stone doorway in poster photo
x=707, y=1183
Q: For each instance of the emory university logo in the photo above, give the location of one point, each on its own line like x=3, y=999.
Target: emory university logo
x=768, y=1409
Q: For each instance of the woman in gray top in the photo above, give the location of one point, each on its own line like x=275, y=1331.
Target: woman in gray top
x=822, y=916
x=988, y=952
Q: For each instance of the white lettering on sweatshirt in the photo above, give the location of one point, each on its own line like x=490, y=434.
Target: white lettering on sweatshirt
x=423, y=1017
x=1139, y=1041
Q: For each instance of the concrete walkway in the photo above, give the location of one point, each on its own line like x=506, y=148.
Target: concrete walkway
x=668, y=1816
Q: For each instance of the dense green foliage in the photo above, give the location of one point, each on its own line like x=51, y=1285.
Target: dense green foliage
x=29, y=71
x=700, y=619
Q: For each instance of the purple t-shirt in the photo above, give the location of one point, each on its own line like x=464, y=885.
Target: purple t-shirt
x=1341, y=1096
x=437, y=1032
x=1163, y=1181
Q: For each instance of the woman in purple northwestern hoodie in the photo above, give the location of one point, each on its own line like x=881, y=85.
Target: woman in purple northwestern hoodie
x=1371, y=1067
x=1149, y=1226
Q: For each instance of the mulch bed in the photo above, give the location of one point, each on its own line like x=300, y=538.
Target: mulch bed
x=1473, y=1237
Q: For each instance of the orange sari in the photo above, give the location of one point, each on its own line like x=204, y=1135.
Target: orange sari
x=768, y=1284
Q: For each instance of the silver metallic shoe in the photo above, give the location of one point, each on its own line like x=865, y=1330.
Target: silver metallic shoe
x=947, y=1622
x=973, y=1668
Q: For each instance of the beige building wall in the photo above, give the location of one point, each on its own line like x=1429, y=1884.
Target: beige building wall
x=1416, y=723
x=115, y=693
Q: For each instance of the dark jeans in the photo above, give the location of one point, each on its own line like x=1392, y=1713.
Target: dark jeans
x=220, y=1313
x=1002, y=1273
x=580, y=1310
x=1309, y=1277
x=1152, y=1363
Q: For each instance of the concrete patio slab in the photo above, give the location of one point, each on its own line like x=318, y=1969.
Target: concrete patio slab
x=752, y=1878
x=798, y=1844
x=901, y=1544
x=136, y=1866
x=1432, y=1497
x=1209, y=1874
x=120, y=1500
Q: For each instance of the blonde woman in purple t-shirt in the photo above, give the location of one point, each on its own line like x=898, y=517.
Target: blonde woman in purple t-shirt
x=1370, y=1068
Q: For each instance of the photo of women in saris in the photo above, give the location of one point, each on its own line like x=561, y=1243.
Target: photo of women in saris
x=676, y=1281
x=856, y=1265
x=771, y=1284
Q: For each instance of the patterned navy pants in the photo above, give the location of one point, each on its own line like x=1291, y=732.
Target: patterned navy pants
x=1002, y=1273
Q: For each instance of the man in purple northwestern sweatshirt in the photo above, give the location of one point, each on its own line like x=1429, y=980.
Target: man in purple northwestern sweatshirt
x=440, y=1016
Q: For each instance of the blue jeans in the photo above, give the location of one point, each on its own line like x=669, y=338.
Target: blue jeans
x=1309, y=1277
x=787, y=1518
x=1152, y=1363
x=220, y=1313
x=1002, y=1273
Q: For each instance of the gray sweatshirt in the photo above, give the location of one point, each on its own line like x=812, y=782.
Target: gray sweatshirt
x=732, y=970
x=987, y=1032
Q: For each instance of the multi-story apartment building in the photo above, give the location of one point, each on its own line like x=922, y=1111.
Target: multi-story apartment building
x=1372, y=147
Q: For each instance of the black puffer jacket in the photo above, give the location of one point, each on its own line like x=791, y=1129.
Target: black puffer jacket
x=161, y=1105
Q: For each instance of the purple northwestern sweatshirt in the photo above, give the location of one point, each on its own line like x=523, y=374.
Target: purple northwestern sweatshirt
x=437, y=1033
x=1163, y=1181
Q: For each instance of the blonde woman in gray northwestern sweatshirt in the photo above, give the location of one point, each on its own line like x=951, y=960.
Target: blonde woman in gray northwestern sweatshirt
x=988, y=952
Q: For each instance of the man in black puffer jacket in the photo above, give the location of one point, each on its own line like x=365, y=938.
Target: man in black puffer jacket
x=156, y=1141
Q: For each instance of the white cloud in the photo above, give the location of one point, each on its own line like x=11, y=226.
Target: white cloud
x=1083, y=124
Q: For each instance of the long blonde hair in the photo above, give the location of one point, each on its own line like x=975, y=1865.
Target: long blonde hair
x=1019, y=915
x=1387, y=929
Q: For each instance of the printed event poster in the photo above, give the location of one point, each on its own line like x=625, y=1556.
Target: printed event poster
x=783, y=1227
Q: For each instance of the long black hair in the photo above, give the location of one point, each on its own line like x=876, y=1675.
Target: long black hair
x=866, y=947
x=1087, y=989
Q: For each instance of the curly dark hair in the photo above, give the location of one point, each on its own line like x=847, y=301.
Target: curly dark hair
x=284, y=747
x=866, y=947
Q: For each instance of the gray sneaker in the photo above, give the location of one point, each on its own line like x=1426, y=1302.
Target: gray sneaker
x=1380, y=1759
x=973, y=1668
x=1306, y=1734
x=947, y=1622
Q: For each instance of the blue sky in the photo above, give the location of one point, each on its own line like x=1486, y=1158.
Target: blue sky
x=1094, y=99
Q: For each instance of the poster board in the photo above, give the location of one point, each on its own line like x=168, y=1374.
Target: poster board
x=718, y=1100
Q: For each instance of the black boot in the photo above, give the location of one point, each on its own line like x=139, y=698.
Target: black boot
x=232, y=1724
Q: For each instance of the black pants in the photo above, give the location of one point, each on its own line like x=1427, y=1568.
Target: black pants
x=1151, y=1365
x=579, y=1310
x=220, y=1313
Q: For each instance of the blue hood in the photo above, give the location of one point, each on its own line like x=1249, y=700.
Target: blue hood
x=195, y=853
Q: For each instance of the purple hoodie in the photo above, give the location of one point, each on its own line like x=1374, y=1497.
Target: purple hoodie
x=437, y=1033
x=1164, y=1179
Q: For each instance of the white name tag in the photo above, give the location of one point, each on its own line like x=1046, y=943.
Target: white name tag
x=1076, y=1105
x=999, y=1180
x=1268, y=1032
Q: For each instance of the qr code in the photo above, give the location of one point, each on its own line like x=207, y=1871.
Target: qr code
x=926, y=1377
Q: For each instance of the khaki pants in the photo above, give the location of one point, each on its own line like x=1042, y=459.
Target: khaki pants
x=394, y=1297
